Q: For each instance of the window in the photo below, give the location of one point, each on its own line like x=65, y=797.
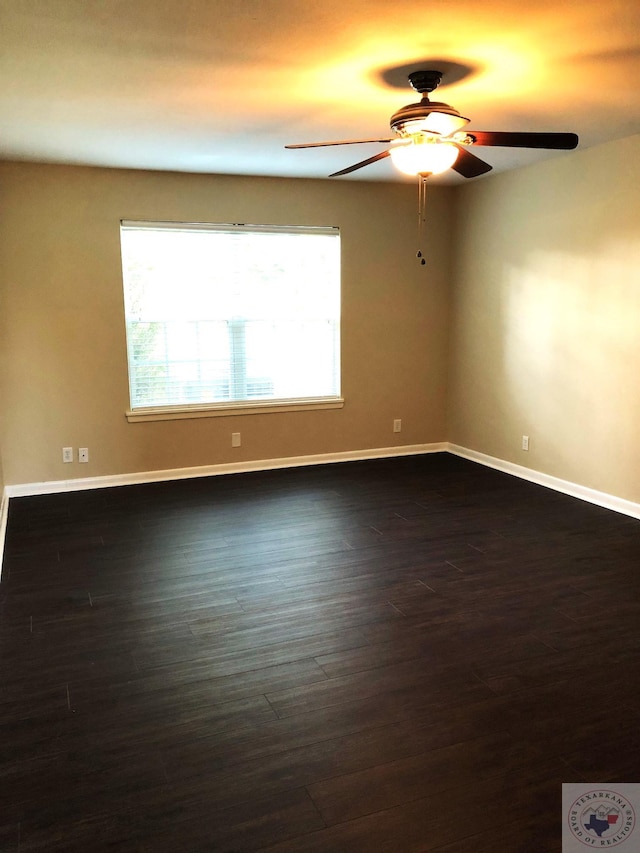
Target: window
x=223, y=317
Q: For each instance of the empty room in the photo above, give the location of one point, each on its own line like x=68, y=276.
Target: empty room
x=319, y=426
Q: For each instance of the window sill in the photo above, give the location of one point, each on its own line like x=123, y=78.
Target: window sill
x=172, y=413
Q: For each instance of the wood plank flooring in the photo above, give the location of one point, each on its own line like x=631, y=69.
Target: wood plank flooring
x=398, y=655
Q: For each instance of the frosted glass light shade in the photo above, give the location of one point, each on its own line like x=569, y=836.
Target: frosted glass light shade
x=424, y=155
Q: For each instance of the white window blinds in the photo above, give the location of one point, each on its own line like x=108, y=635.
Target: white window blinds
x=222, y=314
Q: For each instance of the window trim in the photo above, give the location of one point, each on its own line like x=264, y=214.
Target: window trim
x=217, y=410
x=233, y=407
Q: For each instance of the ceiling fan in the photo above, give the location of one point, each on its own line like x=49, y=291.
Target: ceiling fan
x=429, y=137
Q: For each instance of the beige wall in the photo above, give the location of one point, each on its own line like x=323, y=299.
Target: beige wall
x=3, y=364
x=546, y=335
x=1, y=470
x=63, y=369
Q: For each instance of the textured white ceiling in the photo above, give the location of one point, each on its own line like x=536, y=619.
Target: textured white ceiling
x=223, y=85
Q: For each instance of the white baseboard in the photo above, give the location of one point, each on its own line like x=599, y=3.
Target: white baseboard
x=54, y=486
x=593, y=496
x=566, y=487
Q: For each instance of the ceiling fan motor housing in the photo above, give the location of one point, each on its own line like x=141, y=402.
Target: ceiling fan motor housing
x=413, y=117
x=399, y=121
x=425, y=81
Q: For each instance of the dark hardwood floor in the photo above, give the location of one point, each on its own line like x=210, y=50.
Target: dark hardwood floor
x=397, y=655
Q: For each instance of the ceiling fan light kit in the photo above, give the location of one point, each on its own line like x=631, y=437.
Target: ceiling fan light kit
x=428, y=138
x=424, y=155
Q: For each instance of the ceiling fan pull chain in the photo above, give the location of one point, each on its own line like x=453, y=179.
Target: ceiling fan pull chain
x=422, y=213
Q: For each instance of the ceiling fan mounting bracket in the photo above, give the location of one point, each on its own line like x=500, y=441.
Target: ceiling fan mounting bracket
x=425, y=81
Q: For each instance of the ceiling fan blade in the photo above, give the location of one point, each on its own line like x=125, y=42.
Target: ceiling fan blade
x=506, y=139
x=362, y=163
x=468, y=165
x=339, y=142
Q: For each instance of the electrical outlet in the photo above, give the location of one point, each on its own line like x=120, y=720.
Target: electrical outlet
x=397, y=425
x=67, y=454
x=83, y=454
x=235, y=439
x=525, y=442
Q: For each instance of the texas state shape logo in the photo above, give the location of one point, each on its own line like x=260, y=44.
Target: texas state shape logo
x=601, y=819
